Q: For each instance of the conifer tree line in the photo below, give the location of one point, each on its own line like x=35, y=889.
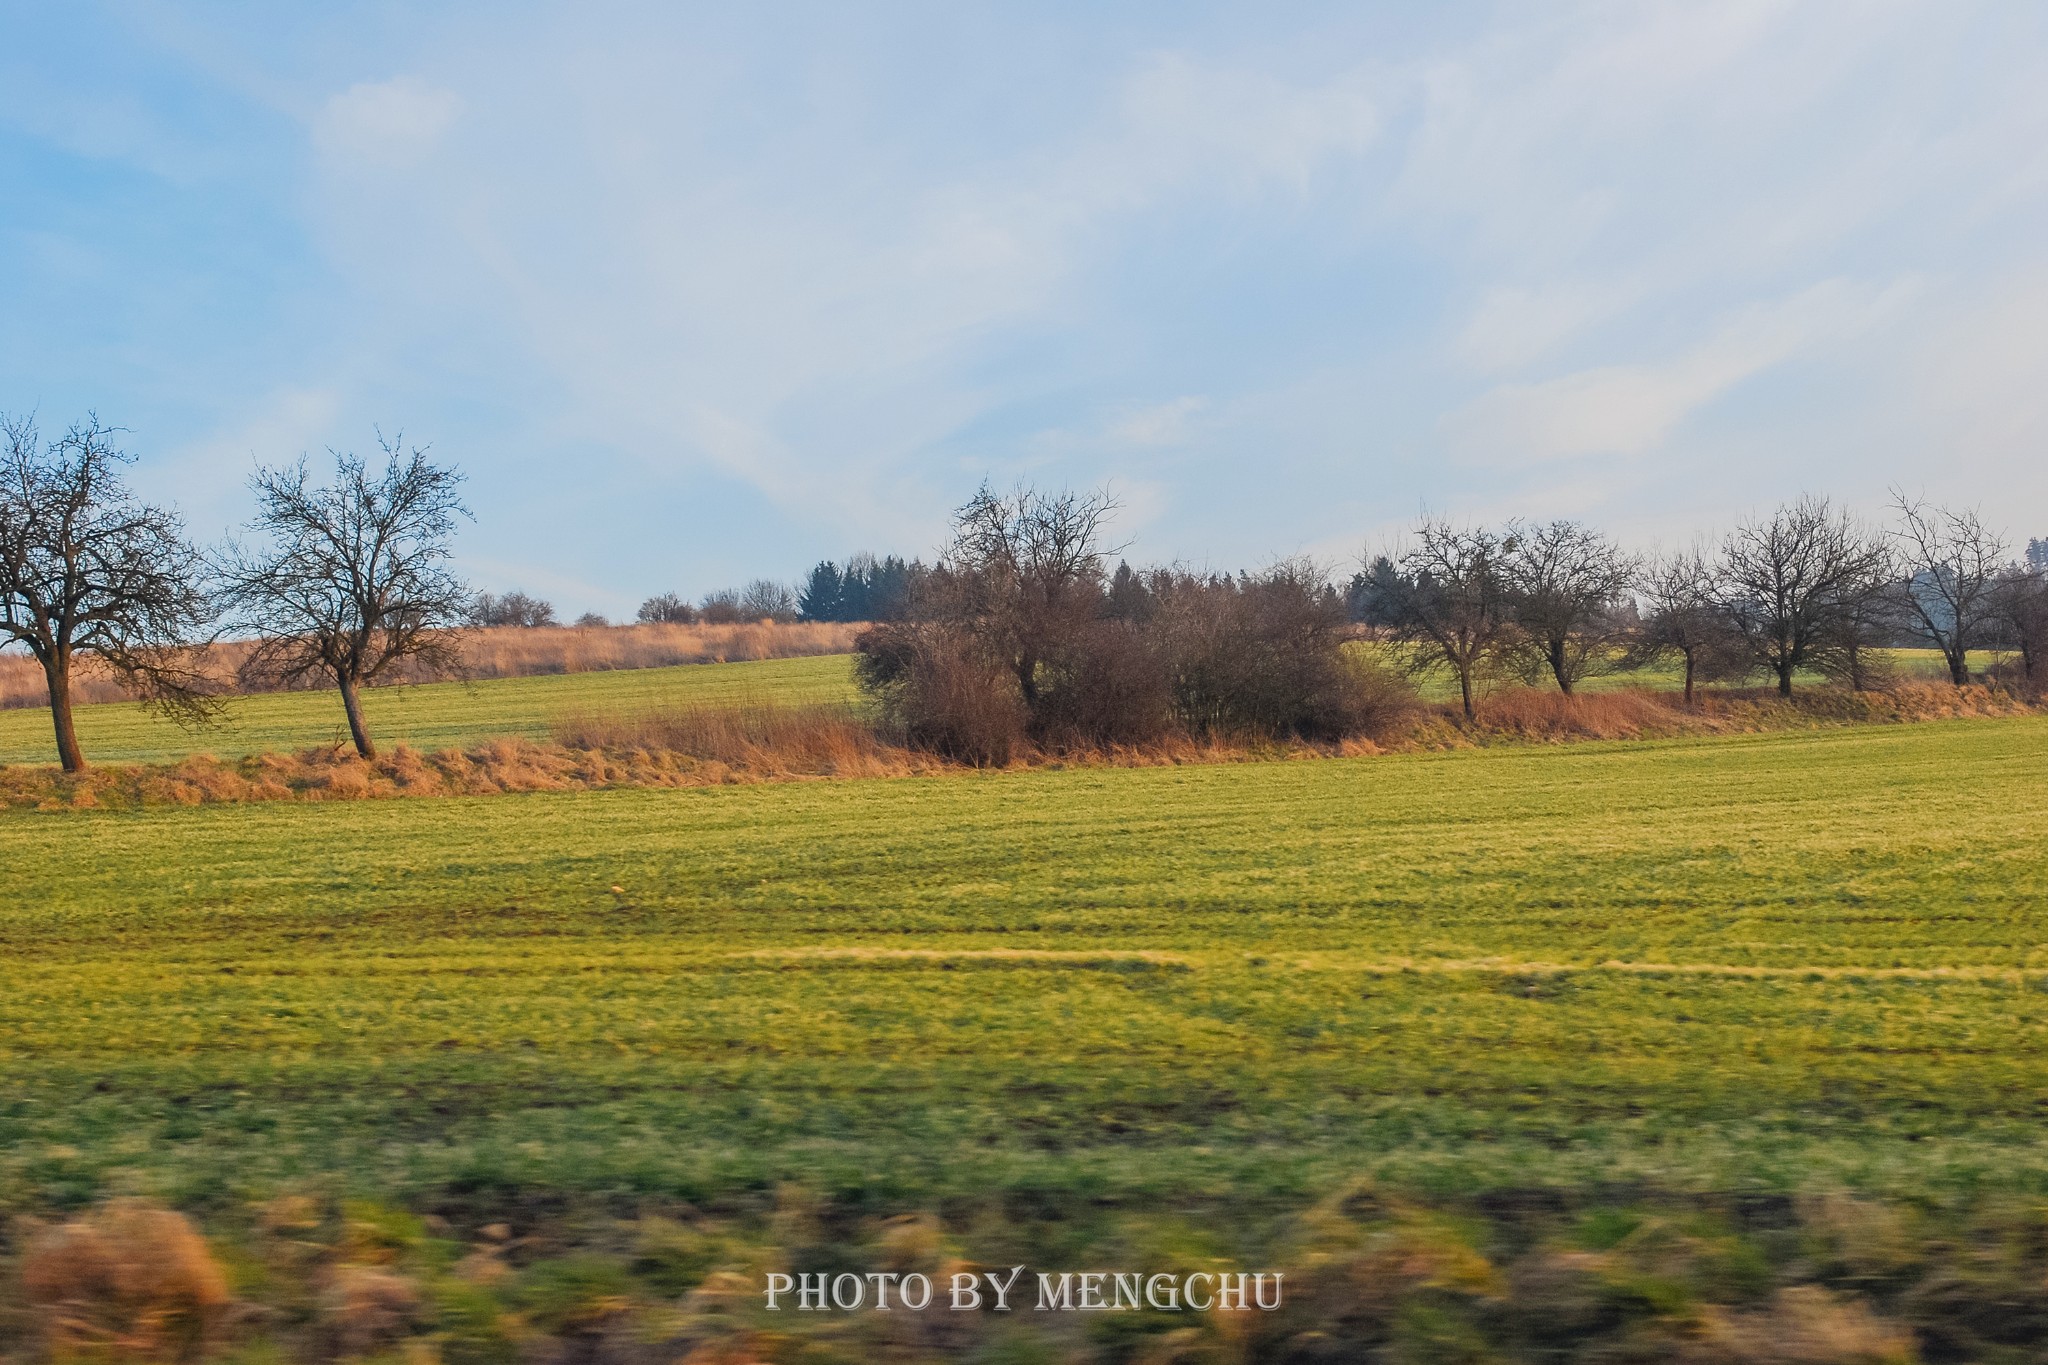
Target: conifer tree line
x=1020, y=632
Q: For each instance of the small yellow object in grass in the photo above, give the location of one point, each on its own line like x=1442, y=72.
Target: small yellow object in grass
x=618, y=891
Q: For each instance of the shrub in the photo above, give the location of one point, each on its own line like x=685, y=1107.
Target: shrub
x=1263, y=657
x=667, y=609
x=937, y=691
x=1108, y=687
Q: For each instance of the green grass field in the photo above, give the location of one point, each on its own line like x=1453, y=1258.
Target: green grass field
x=430, y=716
x=1771, y=962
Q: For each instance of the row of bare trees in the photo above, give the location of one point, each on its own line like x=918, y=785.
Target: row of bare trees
x=1020, y=633
x=1806, y=588
x=339, y=580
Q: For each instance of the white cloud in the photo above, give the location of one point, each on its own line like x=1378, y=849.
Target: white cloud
x=1632, y=410
x=791, y=310
x=1517, y=325
x=398, y=122
x=1166, y=424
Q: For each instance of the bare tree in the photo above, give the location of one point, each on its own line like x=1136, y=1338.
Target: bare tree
x=2022, y=603
x=512, y=609
x=1871, y=615
x=1027, y=568
x=764, y=599
x=721, y=608
x=667, y=608
x=353, y=577
x=1446, y=603
x=1789, y=583
x=1952, y=565
x=1566, y=586
x=1681, y=616
x=86, y=569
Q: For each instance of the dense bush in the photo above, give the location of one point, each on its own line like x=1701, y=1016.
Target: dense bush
x=938, y=691
x=1019, y=636
x=1262, y=656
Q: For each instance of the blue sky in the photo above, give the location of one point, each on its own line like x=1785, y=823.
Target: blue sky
x=700, y=293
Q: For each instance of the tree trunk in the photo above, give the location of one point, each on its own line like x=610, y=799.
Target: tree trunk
x=57, y=674
x=1688, y=677
x=1465, y=690
x=1959, y=666
x=1557, y=668
x=1784, y=679
x=354, y=706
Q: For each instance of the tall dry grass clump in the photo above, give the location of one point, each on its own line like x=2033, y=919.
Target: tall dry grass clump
x=758, y=739
x=129, y=1281
x=1543, y=714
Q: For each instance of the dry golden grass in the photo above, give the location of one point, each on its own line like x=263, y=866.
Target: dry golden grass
x=1534, y=714
x=129, y=1281
x=501, y=652
x=761, y=740
x=509, y=652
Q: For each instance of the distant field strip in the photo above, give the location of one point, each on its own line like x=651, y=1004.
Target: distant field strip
x=1779, y=961
x=429, y=715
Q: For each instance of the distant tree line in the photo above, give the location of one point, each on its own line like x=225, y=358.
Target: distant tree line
x=1806, y=589
x=1020, y=632
x=863, y=589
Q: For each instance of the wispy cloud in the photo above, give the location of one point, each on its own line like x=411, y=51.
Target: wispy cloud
x=1634, y=409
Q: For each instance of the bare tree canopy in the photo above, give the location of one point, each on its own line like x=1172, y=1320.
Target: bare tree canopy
x=1446, y=602
x=1952, y=562
x=1567, y=587
x=85, y=568
x=764, y=599
x=1680, y=615
x=1797, y=586
x=667, y=608
x=512, y=609
x=1027, y=566
x=2022, y=605
x=350, y=577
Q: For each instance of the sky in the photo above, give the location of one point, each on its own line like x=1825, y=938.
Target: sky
x=699, y=293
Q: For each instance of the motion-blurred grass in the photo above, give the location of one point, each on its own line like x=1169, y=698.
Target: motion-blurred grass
x=1767, y=962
